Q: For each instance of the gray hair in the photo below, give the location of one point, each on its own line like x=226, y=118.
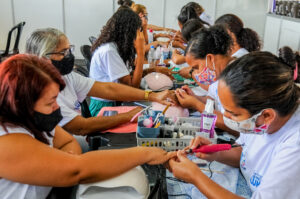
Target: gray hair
x=43, y=41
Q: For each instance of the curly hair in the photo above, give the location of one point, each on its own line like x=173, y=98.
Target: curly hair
x=125, y=3
x=291, y=58
x=214, y=40
x=187, y=13
x=121, y=29
x=246, y=37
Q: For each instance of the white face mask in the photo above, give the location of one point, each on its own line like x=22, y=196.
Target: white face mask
x=247, y=126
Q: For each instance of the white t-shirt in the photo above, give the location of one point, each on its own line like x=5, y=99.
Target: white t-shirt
x=270, y=162
x=213, y=93
x=241, y=52
x=76, y=90
x=213, y=88
x=107, y=65
x=14, y=190
x=206, y=18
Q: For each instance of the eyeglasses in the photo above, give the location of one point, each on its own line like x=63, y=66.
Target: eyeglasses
x=64, y=52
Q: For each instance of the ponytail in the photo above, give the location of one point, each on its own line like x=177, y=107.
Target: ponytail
x=248, y=39
x=187, y=13
x=292, y=59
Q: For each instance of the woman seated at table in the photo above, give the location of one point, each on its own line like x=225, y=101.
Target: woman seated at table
x=141, y=10
x=188, y=29
x=54, y=45
x=208, y=53
x=114, y=55
x=186, y=13
x=36, y=154
x=201, y=13
x=261, y=101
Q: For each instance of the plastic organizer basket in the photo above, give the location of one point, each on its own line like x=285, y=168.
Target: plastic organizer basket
x=173, y=144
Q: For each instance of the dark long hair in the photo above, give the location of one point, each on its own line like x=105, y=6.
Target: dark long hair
x=291, y=58
x=190, y=27
x=260, y=80
x=246, y=37
x=121, y=29
x=187, y=13
x=22, y=81
x=125, y=3
x=214, y=40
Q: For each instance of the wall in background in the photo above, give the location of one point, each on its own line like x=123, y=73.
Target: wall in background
x=80, y=19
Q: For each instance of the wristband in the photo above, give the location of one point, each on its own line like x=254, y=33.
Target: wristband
x=147, y=93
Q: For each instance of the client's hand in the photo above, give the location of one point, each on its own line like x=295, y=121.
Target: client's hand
x=158, y=155
x=185, y=72
x=164, y=97
x=166, y=71
x=183, y=168
x=132, y=113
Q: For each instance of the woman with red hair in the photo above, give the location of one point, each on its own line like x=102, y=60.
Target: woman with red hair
x=35, y=154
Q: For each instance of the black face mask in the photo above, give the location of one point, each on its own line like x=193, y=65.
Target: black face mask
x=65, y=66
x=47, y=122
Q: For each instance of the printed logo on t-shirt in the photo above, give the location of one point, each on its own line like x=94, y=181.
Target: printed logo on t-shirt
x=243, y=161
x=255, y=179
x=77, y=106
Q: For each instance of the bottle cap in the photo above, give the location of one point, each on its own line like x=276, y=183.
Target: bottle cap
x=150, y=30
x=152, y=46
x=209, y=107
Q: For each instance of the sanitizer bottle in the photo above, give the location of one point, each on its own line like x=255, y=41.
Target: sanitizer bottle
x=208, y=119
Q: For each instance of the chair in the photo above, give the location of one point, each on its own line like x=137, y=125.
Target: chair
x=92, y=39
x=6, y=53
x=87, y=54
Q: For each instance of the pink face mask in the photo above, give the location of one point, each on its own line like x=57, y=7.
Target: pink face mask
x=206, y=76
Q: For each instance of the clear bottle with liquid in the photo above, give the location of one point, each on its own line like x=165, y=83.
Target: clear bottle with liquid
x=151, y=57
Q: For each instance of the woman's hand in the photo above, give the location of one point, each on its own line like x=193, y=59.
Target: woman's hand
x=186, y=100
x=183, y=168
x=158, y=155
x=199, y=141
x=185, y=72
x=164, y=97
x=188, y=90
x=139, y=44
x=132, y=113
x=166, y=71
x=178, y=44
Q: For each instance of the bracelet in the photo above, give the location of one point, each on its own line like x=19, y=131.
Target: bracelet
x=147, y=93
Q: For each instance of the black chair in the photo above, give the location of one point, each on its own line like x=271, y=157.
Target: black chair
x=6, y=53
x=87, y=54
x=92, y=39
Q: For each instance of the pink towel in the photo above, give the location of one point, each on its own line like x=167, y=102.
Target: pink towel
x=124, y=128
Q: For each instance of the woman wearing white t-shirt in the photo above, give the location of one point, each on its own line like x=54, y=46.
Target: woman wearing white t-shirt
x=261, y=101
x=54, y=45
x=114, y=55
x=208, y=53
x=35, y=154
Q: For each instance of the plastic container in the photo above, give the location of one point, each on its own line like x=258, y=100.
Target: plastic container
x=151, y=57
x=173, y=124
x=150, y=36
